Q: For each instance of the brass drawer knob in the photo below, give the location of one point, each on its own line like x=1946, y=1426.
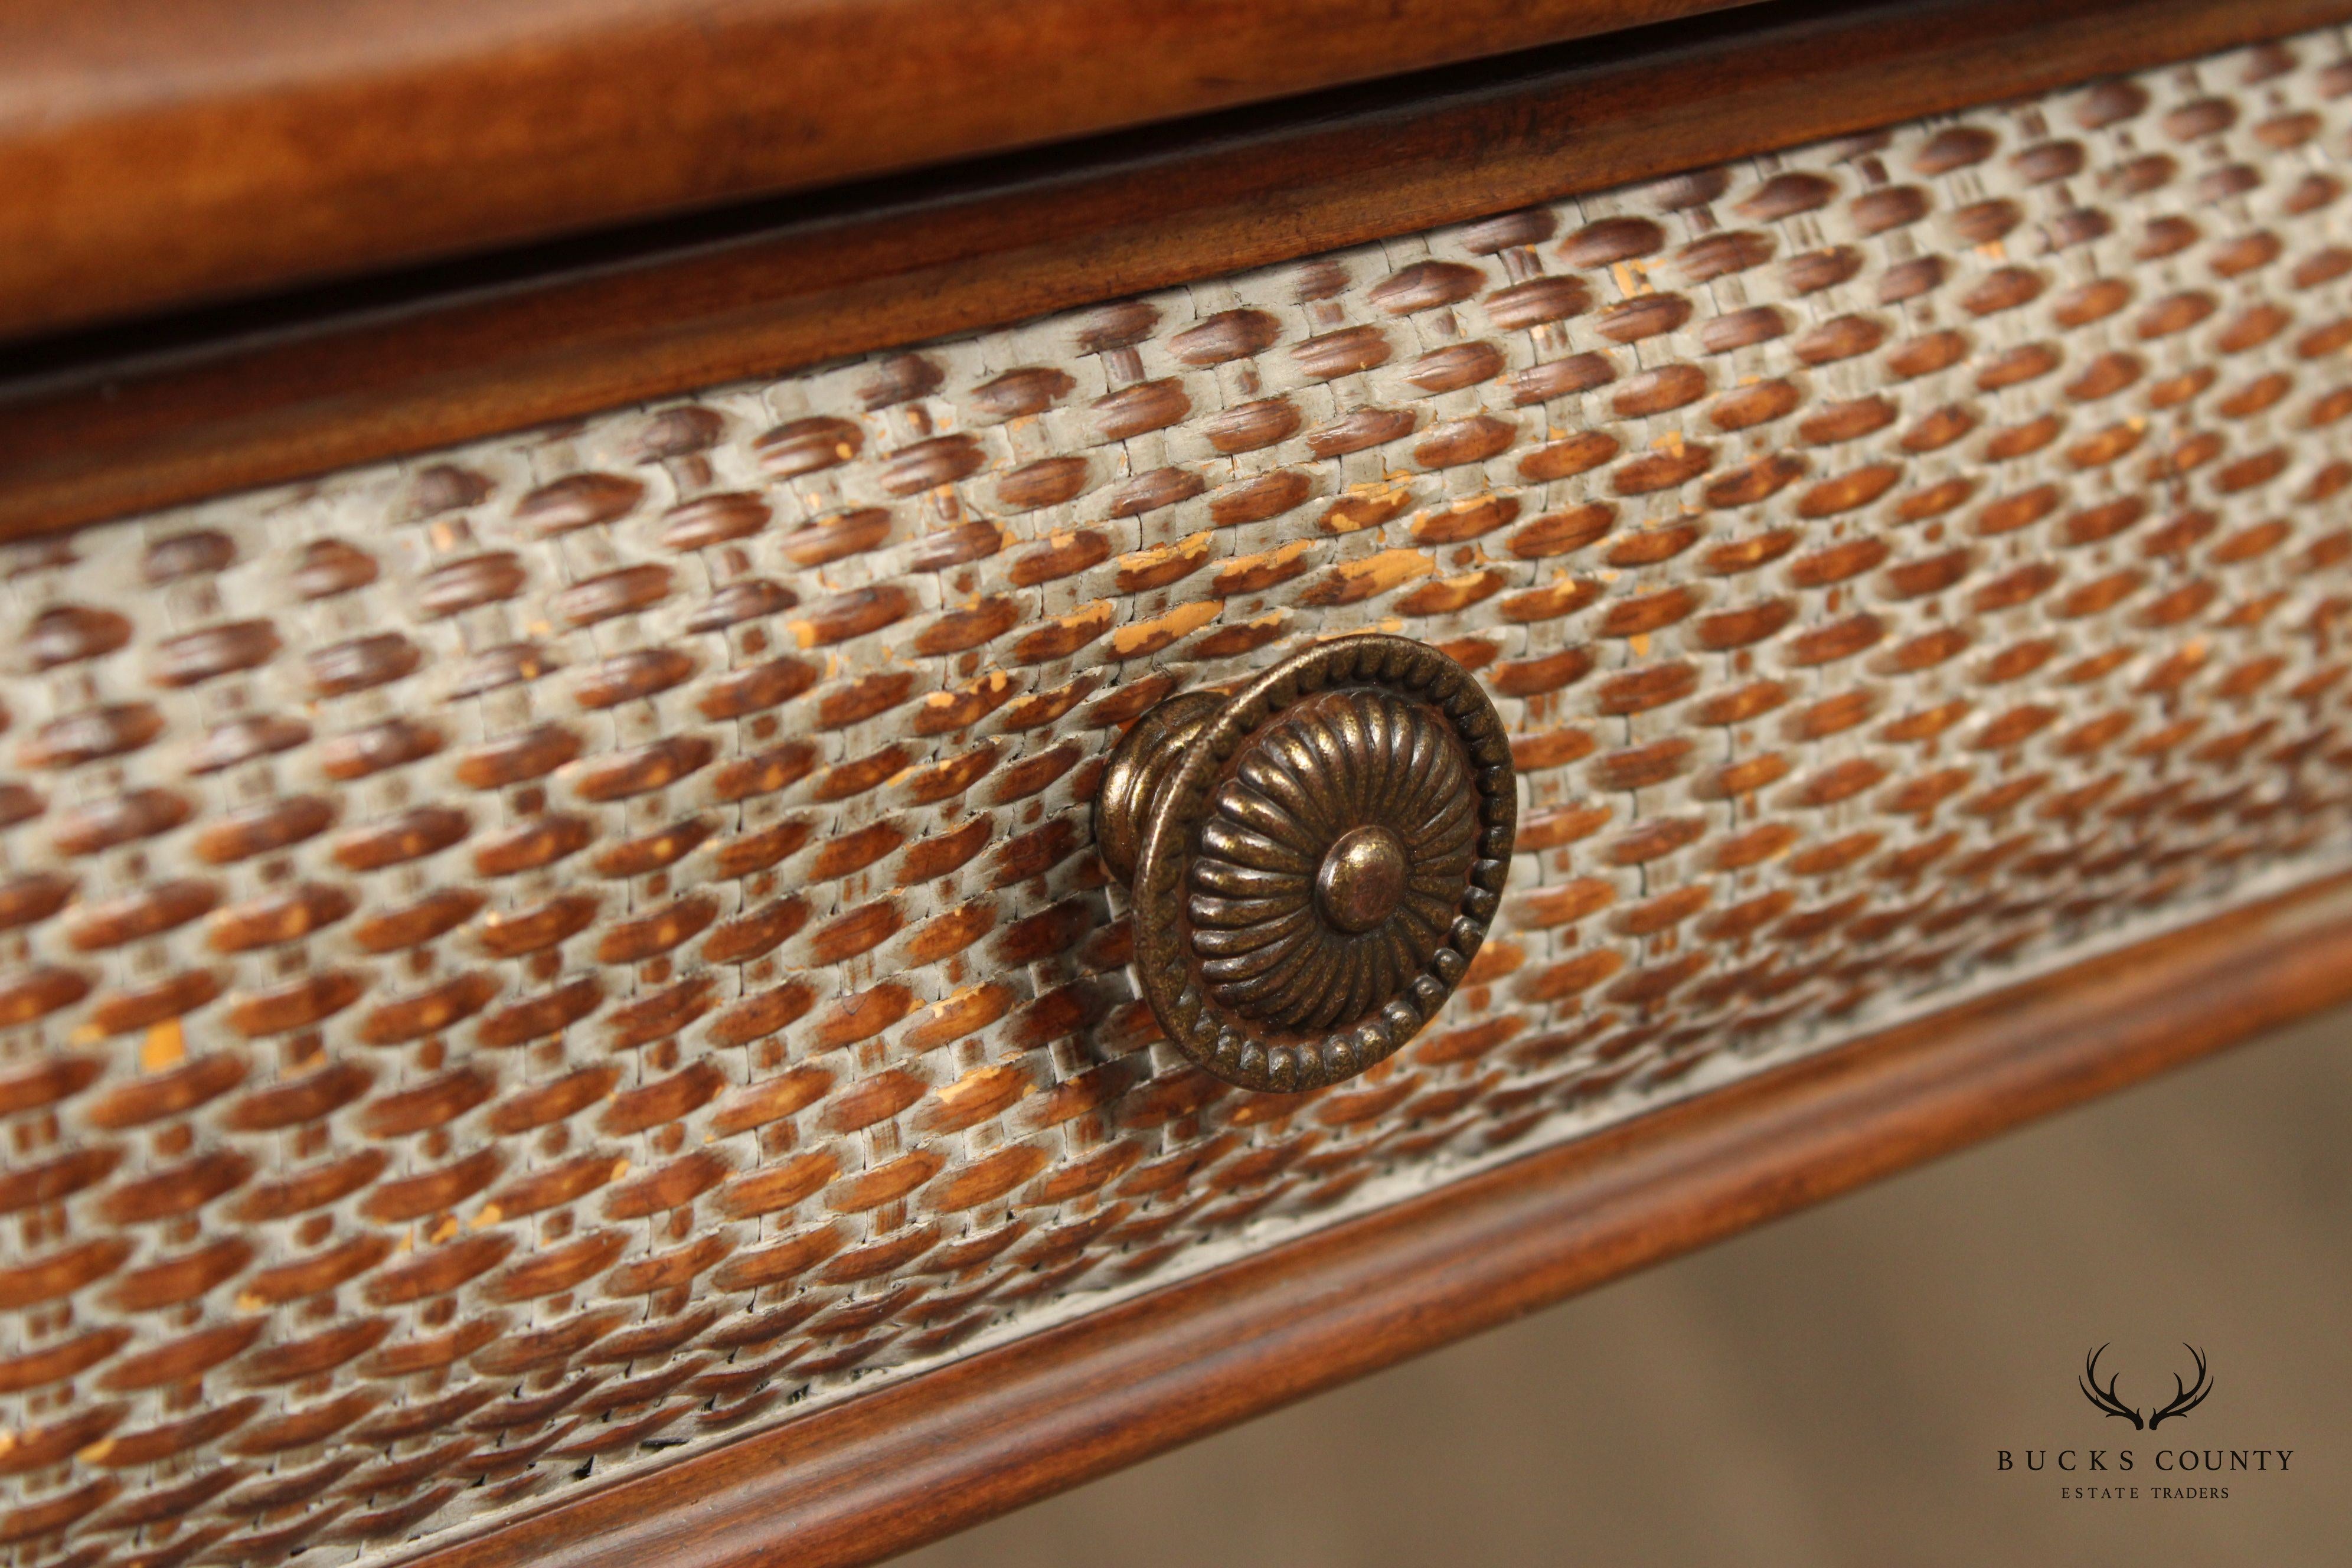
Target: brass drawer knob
x=1313, y=859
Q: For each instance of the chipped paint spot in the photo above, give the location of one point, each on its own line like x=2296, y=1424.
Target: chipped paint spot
x=1149, y=636
x=164, y=1047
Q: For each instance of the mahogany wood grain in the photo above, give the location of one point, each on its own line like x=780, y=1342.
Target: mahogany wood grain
x=942, y=1450
x=125, y=421
x=154, y=151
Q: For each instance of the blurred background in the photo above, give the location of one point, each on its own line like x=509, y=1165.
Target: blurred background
x=1833, y=1389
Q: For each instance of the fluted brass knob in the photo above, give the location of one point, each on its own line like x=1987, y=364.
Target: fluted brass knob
x=1314, y=860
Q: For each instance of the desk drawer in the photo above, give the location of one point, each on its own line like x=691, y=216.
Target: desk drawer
x=592, y=942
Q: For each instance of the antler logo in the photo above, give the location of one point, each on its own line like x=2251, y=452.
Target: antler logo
x=2185, y=1397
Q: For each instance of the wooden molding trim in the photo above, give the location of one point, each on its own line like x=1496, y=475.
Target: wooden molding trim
x=157, y=151
x=941, y=1450
x=125, y=421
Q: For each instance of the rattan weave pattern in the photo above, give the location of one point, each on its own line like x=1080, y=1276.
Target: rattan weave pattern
x=519, y=959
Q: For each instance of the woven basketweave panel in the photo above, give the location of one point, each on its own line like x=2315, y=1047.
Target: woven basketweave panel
x=519, y=961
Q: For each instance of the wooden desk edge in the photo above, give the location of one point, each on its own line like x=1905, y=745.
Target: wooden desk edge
x=155, y=153
x=101, y=436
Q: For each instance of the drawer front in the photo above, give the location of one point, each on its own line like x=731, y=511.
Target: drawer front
x=527, y=959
